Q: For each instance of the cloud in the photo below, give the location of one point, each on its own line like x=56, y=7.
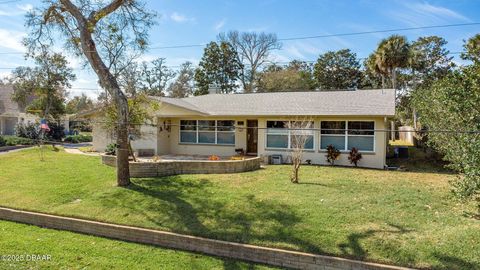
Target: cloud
x=219, y=25
x=17, y=11
x=420, y=14
x=180, y=18
x=12, y=40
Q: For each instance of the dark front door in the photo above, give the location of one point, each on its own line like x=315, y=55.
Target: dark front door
x=252, y=136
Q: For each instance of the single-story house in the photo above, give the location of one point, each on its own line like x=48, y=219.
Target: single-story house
x=220, y=124
x=12, y=113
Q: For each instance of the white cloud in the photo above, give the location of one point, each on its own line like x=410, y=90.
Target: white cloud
x=219, y=25
x=420, y=14
x=12, y=40
x=17, y=11
x=180, y=18
x=25, y=8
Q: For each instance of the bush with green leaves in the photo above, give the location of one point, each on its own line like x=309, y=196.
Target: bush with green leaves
x=29, y=130
x=14, y=140
x=111, y=149
x=2, y=141
x=453, y=104
x=332, y=154
x=78, y=138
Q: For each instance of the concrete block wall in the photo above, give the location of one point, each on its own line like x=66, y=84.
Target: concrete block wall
x=166, y=168
x=245, y=252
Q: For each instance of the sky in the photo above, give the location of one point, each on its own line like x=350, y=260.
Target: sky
x=187, y=22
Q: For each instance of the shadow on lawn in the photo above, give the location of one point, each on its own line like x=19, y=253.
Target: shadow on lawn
x=189, y=206
x=353, y=249
x=454, y=263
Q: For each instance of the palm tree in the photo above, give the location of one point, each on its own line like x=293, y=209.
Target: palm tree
x=392, y=53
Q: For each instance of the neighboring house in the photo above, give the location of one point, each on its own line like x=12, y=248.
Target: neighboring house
x=11, y=113
x=218, y=124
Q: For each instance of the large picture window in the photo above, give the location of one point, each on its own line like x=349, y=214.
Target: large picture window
x=345, y=135
x=279, y=136
x=207, y=131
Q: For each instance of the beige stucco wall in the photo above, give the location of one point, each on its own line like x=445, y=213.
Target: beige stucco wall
x=375, y=159
x=206, y=149
x=171, y=143
x=164, y=138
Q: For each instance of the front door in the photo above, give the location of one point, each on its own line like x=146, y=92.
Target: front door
x=252, y=137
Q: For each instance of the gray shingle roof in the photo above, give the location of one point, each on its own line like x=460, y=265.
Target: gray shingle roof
x=324, y=103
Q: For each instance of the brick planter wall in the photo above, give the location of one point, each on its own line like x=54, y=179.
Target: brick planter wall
x=165, y=168
x=271, y=256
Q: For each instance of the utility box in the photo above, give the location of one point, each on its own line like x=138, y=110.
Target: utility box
x=276, y=159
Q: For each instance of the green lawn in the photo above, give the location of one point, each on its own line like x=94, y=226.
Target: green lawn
x=402, y=218
x=75, y=251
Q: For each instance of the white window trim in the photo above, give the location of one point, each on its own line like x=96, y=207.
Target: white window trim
x=346, y=135
x=289, y=137
x=197, y=130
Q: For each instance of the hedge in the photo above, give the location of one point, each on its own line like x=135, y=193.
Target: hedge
x=78, y=138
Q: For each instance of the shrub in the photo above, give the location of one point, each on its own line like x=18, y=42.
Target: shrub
x=78, y=138
x=14, y=140
x=354, y=156
x=111, y=149
x=2, y=141
x=29, y=130
x=32, y=131
x=332, y=154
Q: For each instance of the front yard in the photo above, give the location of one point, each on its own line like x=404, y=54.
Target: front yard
x=75, y=251
x=402, y=218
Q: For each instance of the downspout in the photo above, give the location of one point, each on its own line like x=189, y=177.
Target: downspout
x=385, y=121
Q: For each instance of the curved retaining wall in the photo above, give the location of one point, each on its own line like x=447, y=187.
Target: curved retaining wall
x=166, y=168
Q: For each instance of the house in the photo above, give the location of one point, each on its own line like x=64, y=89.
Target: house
x=220, y=124
x=12, y=113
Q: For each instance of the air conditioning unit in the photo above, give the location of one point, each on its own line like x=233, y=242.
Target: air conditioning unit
x=276, y=159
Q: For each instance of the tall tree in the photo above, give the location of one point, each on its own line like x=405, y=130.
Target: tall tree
x=84, y=26
x=184, y=83
x=218, y=67
x=296, y=76
x=392, y=54
x=252, y=50
x=79, y=103
x=155, y=77
x=372, y=76
x=429, y=60
x=46, y=83
x=472, y=49
x=337, y=70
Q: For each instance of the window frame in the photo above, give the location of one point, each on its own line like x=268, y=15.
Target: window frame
x=346, y=135
x=198, y=131
x=288, y=134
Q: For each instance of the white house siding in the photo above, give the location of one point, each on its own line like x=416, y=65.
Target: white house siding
x=101, y=137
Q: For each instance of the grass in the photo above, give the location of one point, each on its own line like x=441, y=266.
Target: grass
x=402, y=218
x=75, y=251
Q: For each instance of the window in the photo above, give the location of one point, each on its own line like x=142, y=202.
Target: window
x=279, y=136
x=332, y=132
x=345, y=135
x=361, y=135
x=207, y=131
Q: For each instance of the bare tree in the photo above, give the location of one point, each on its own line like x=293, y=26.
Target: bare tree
x=301, y=132
x=84, y=27
x=156, y=77
x=253, y=50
